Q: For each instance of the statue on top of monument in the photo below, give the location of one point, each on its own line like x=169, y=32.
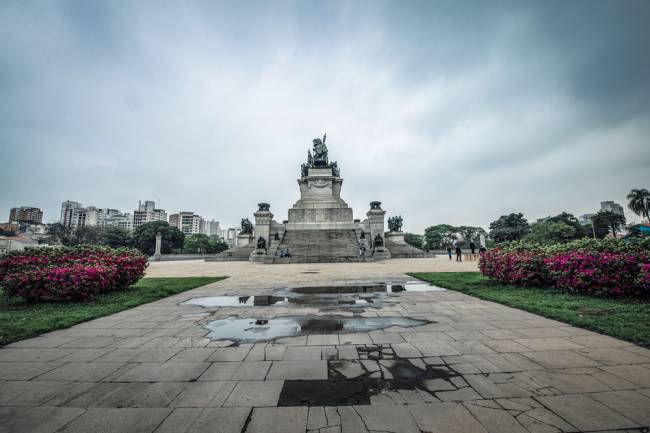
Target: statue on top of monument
x=320, y=152
x=395, y=223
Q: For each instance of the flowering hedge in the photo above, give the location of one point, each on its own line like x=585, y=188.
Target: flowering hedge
x=69, y=273
x=610, y=267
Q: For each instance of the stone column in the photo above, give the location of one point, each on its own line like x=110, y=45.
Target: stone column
x=156, y=255
x=263, y=218
x=376, y=221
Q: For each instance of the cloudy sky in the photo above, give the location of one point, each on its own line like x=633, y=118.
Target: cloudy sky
x=447, y=112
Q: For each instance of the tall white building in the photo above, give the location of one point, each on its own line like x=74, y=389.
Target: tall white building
x=121, y=220
x=187, y=222
x=67, y=209
x=147, y=213
x=74, y=215
x=212, y=228
x=612, y=207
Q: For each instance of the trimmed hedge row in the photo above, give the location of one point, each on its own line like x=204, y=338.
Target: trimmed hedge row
x=69, y=273
x=609, y=267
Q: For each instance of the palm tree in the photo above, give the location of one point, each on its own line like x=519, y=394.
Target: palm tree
x=639, y=202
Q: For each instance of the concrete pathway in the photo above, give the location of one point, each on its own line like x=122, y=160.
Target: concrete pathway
x=477, y=367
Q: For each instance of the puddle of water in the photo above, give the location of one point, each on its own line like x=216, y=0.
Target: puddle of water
x=237, y=301
x=356, y=296
x=252, y=330
x=409, y=286
x=339, y=390
x=279, y=301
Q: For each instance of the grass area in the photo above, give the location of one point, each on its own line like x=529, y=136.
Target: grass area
x=20, y=320
x=627, y=319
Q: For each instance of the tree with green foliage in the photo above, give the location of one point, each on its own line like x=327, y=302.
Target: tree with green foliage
x=86, y=235
x=638, y=200
x=196, y=244
x=549, y=232
x=572, y=221
x=116, y=237
x=509, y=227
x=217, y=244
x=439, y=236
x=204, y=244
x=606, y=218
x=414, y=240
x=470, y=233
x=144, y=237
x=58, y=233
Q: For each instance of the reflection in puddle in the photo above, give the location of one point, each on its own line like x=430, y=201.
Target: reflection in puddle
x=321, y=296
x=237, y=301
x=252, y=330
x=409, y=286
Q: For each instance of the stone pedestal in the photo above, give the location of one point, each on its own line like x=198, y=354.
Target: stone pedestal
x=381, y=253
x=258, y=255
x=397, y=237
x=320, y=206
x=245, y=240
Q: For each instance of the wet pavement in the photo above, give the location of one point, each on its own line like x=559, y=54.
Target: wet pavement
x=251, y=330
x=447, y=363
x=323, y=297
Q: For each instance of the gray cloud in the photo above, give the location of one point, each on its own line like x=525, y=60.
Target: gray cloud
x=446, y=111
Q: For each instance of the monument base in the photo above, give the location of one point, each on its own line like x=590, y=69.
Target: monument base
x=381, y=253
x=399, y=249
x=258, y=255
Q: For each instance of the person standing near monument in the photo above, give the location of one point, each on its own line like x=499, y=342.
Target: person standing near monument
x=472, y=246
x=449, y=252
x=458, y=254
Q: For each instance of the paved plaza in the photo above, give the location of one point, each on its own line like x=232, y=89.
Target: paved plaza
x=474, y=366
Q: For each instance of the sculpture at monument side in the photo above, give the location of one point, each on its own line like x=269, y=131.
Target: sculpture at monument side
x=379, y=241
x=246, y=227
x=261, y=243
x=395, y=223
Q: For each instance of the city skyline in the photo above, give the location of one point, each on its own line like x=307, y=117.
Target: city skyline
x=446, y=112
x=630, y=216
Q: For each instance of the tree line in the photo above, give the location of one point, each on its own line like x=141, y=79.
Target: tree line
x=143, y=238
x=560, y=228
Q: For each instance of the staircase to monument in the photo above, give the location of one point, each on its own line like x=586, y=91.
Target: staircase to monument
x=313, y=246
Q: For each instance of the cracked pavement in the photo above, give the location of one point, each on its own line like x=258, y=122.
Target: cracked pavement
x=477, y=367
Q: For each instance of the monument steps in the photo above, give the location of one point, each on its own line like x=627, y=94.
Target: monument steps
x=313, y=246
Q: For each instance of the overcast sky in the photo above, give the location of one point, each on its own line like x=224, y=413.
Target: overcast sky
x=446, y=112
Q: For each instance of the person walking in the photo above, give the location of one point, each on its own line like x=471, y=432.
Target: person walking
x=458, y=254
x=472, y=246
x=449, y=252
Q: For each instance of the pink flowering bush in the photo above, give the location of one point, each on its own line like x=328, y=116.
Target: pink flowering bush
x=611, y=267
x=70, y=273
x=597, y=273
x=523, y=268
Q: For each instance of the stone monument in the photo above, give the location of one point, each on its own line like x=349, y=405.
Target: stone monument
x=320, y=227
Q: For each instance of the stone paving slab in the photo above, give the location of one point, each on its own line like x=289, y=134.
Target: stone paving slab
x=36, y=419
x=104, y=420
x=476, y=366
